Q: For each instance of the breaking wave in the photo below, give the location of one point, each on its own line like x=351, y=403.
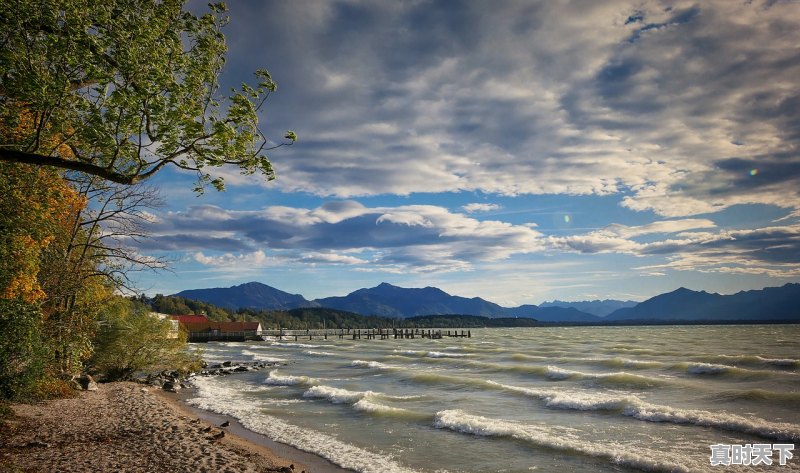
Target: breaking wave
x=275, y=379
x=632, y=406
x=460, y=421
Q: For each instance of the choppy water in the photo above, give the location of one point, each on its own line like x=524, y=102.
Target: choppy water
x=594, y=399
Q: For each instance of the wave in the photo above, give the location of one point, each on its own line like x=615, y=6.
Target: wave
x=618, y=362
x=618, y=378
x=759, y=395
x=224, y=399
x=318, y=353
x=755, y=360
x=438, y=354
x=408, y=352
x=293, y=345
x=256, y=356
x=632, y=406
x=713, y=369
x=371, y=364
x=374, y=408
x=524, y=357
x=275, y=379
x=459, y=421
x=335, y=395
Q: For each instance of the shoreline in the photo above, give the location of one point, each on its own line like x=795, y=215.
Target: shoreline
x=130, y=427
x=311, y=462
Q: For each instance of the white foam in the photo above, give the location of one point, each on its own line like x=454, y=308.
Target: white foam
x=318, y=353
x=293, y=345
x=212, y=395
x=257, y=356
x=438, y=354
x=559, y=374
x=407, y=352
x=369, y=364
x=755, y=359
x=460, y=421
x=335, y=395
x=366, y=405
x=632, y=406
x=619, y=377
x=276, y=379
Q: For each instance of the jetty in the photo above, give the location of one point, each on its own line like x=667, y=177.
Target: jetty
x=324, y=334
x=365, y=333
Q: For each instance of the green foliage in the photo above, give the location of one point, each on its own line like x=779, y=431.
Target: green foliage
x=174, y=305
x=128, y=86
x=130, y=340
x=21, y=350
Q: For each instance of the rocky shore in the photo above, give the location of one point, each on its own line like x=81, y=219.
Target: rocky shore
x=126, y=427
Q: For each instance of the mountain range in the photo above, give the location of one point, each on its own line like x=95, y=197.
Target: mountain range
x=684, y=305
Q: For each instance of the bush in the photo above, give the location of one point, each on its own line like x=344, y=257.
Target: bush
x=21, y=350
x=129, y=341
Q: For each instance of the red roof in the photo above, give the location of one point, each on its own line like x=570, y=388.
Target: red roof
x=190, y=319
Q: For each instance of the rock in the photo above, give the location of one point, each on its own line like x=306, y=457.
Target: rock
x=225, y=424
x=87, y=383
x=240, y=369
x=37, y=444
x=145, y=390
x=171, y=387
x=217, y=435
x=227, y=364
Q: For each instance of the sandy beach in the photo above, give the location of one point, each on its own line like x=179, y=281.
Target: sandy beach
x=126, y=427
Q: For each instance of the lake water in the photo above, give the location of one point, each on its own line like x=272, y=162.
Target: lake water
x=582, y=399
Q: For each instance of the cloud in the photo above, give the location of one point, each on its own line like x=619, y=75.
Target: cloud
x=479, y=207
x=431, y=239
x=414, y=237
x=771, y=251
x=256, y=259
x=669, y=107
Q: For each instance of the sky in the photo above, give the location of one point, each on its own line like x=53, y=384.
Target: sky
x=517, y=151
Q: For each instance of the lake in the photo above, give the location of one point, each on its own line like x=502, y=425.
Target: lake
x=588, y=399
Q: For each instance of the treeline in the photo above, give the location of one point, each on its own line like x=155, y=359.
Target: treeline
x=317, y=318
x=95, y=98
x=174, y=305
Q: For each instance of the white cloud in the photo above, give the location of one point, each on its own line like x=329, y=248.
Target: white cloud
x=234, y=261
x=480, y=207
x=673, y=106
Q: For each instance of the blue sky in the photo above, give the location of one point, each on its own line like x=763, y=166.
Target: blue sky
x=518, y=151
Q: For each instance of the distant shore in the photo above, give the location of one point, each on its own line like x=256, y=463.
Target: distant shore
x=127, y=427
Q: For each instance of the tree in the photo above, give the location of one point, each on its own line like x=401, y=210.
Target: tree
x=130, y=340
x=128, y=87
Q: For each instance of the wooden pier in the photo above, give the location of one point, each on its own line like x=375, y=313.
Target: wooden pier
x=365, y=334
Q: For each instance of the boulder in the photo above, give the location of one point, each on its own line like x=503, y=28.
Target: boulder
x=171, y=387
x=87, y=383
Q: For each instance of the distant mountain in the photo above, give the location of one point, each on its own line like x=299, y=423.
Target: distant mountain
x=253, y=295
x=393, y=301
x=553, y=314
x=769, y=304
x=386, y=300
x=596, y=307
